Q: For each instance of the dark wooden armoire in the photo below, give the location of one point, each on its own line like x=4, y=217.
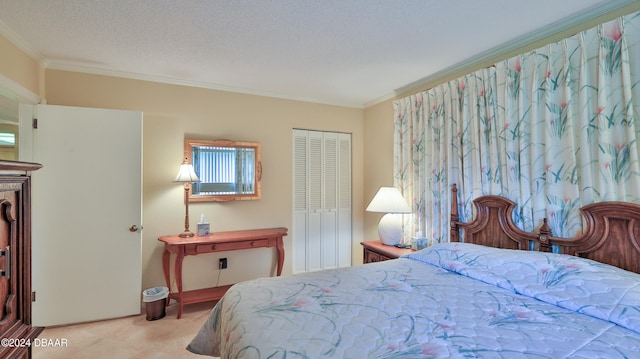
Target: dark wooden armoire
x=16, y=331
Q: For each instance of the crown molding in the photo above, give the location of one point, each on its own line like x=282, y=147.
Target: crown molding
x=73, y=67
x=21, y=44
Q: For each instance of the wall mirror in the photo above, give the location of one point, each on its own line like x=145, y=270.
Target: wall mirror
x=228, y=170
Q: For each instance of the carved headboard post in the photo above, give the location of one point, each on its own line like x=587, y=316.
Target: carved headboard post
x=543, y=237
x=455, y=230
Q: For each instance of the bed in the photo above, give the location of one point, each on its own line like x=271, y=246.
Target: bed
x=494, y=291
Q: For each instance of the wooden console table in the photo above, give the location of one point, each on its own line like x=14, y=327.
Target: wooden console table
x=215, y=242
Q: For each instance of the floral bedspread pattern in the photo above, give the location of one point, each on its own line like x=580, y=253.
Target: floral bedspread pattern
x=447, y=301
x=577, y=284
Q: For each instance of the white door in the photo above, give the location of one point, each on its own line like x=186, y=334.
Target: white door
x=87, y=262
x=329, y=200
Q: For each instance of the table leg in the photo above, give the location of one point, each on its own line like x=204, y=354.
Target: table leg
x=280, y=247
x=178, y=273
x=166, y=257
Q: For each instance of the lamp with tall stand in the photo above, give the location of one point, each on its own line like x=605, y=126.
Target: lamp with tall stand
x=389, y=200
x=187, y=176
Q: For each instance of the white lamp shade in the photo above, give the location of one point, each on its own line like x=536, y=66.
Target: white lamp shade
x=186, y=174
x=388, y=200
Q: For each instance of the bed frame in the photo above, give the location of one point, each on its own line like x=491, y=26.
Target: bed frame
x=611, y=231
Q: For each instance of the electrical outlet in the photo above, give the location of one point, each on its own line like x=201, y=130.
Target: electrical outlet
x=222, y=263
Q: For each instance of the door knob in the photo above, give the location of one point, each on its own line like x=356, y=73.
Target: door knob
x=134, y=228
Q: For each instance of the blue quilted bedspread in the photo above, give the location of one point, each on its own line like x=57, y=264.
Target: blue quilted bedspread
x=450, y=300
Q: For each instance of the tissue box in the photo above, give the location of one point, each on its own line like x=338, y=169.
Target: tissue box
x=418, y=243
x=203, y=229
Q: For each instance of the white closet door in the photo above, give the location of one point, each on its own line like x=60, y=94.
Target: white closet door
x=300, y=200
x=314, y=219
x=344, y=200
x=330, y=201
x=322, y=200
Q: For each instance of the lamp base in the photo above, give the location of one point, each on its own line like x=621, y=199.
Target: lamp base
x=185, y=235
x=390, y=229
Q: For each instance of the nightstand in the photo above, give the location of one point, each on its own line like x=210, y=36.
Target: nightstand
x=375, y=251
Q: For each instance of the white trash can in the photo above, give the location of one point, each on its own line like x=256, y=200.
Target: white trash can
x=155, y=300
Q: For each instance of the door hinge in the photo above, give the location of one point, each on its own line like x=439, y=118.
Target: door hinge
x=33, y=296
x=35, y=123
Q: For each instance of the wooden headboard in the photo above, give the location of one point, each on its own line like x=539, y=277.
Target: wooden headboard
x=492, y=224
x=611, y=234
x=611, y=231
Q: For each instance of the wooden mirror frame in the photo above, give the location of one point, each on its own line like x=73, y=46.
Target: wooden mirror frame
x=189, y=143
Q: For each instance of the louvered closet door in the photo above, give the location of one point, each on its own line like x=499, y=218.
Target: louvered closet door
x=329, y=201
x=344, y=200
x=300, y=200
x=322, y=200
x=314, y=217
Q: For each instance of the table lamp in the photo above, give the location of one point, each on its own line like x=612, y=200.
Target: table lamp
x=389, y=200
x=187, y=176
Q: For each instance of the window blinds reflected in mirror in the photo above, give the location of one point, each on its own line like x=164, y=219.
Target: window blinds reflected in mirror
x=224, y=170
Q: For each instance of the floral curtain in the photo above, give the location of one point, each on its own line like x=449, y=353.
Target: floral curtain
x=553, y=130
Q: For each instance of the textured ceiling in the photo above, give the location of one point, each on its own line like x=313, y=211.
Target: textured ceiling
x=345, y=52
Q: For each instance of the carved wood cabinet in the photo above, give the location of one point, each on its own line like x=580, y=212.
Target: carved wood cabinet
x=16, y=331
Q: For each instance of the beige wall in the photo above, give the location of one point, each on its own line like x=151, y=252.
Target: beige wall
x=17, y=66
x=172, y=113
x=378, y=159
